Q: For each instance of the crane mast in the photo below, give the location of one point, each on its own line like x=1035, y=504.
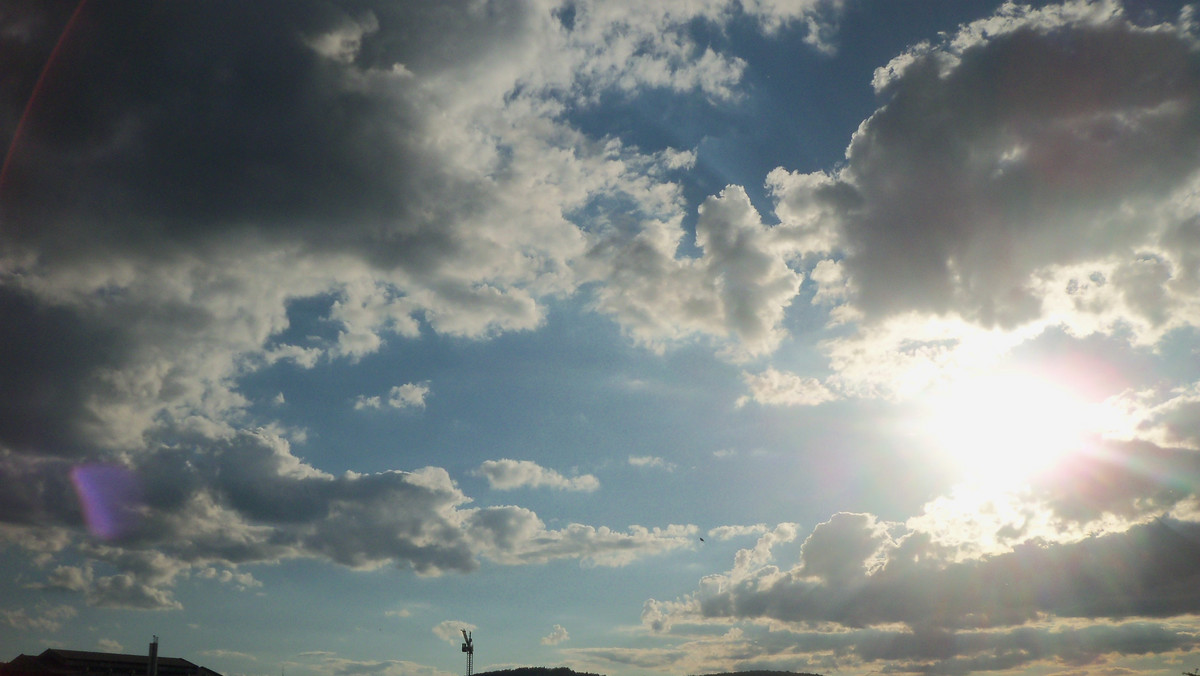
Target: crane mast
x=469, y=648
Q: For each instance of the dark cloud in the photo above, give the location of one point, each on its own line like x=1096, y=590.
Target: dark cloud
x=148, y=132
x=48, y=354
x=1129, y=480
x=246, y=499
x=1020, y=145
x=1150, y=570
x=37, y=492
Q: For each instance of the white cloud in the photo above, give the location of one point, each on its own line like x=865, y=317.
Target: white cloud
x=651, y=461
x=108, y=645
x=506, y=474
x=451, y=630
x=408, y=395
x=773, y=387
x=556, y=636
x=731, y=532
x=736, y=292
x=362, y=401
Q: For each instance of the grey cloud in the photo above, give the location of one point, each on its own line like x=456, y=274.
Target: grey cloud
x=42, y=618
x=247, y=499
x=43, y=398
x=170, y=194
x=1053, y=646
x=844, y=549
x=1130, y=480
x=125, y=591
x=37, y=492
x=1071, y=603
x=1148, y=571
x=940, y=652
x=180, y=138
x=996, y=158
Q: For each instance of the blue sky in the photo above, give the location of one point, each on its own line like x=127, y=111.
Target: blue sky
x=834, y=336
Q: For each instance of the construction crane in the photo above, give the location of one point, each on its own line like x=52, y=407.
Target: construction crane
x=469, y=649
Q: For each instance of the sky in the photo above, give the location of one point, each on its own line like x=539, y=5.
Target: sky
x=643, y=338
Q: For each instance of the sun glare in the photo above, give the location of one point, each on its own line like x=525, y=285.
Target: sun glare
x=1002, y=429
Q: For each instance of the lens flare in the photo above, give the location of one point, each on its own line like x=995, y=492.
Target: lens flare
x=1002, y=429
x=111, y=498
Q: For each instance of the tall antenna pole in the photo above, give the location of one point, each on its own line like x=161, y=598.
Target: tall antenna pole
x=469, y=648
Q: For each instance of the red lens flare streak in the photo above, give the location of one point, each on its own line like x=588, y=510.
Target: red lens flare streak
x=37, y=88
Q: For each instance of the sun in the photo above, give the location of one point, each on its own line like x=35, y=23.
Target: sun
x=1003, y=428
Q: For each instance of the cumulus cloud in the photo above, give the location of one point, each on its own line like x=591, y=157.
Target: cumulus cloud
x=151, y=308
x=1017, y=178
x=556, y=636
x=1098, y=550
x=247, y=499
x=774, y=387
x=506, y=475
x=738, y=289
x=408, y=395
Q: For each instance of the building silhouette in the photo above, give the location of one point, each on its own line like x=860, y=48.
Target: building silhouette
x=56, y=662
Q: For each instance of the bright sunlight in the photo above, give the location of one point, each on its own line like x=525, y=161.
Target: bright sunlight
x=1001, y=429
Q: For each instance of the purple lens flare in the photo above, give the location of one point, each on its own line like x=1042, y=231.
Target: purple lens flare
x=111, y=498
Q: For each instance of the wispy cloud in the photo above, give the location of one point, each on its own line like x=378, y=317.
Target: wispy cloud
x=506, y=474
x=408, y=395
x=651, y=461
